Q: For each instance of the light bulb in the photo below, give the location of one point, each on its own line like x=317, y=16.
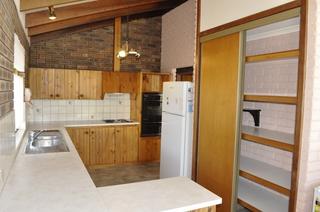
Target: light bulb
x=52, y=14
x=122, y=54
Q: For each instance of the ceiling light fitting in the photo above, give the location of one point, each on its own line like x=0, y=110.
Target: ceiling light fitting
x=124, y=51
x=52, y=14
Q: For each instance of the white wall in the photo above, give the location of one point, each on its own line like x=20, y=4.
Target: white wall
x=217, y=12
x=178, y=37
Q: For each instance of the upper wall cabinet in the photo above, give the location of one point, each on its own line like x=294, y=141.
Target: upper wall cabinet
x=124, y=82
x=153, y=82
x=65, y=84
x=90, y=85
x=41, y=83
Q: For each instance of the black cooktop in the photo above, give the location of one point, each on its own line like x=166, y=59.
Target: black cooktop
x=117, y=121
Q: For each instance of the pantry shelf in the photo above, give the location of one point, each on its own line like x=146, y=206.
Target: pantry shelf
x=258, y=198
x=276, y=139
x=291, y=100
x=266, y=175
x=273, y=56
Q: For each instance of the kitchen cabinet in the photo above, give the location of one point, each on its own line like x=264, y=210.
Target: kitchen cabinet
x=153, y=82
x=90, y=84
x=65, y=84
x=42, y=83
x=106, y=145
x=71, y=84
x=102, y=145
x=81, y=140
x=59, y=85
x=123, y=82
x=149, y=149
x=126, y=144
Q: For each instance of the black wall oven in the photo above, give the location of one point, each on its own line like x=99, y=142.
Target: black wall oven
x=151, y=114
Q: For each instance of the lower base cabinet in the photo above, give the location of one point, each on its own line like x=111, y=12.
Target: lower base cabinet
x=106, y=145
x=149, y=149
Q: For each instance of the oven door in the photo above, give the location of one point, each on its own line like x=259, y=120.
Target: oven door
x=151, y=114
x=151, y=129
x=151, y=107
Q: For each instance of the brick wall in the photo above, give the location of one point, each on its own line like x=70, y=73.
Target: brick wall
x=85, y=49
x=9, y=24
x=92, y=48
x=145, y=37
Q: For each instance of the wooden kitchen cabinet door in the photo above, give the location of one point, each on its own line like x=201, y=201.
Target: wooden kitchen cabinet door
x=41, y=83
x=149, y=149
x=110, y=82
x=102, y=145
x=59, y=83
x=128, y=82
x=126, y=144
x=90, y=84
x=151, y=83
x=71, y=84
x=81, y=140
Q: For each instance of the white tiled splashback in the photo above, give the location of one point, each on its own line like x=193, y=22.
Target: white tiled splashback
x=114, y=106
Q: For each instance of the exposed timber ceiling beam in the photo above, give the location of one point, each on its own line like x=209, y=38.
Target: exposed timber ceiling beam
x=75, y=15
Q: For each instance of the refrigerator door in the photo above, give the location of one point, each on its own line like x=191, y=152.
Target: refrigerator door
x=172, y=145
x=175, y=97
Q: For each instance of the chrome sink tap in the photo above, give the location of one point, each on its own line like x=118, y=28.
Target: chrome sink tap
x=34, y=135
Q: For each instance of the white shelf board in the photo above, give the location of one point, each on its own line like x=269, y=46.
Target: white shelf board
x=261, y=198
x=266, y=171
x=270, y=134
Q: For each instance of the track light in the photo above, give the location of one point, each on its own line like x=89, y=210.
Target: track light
x=52, y=14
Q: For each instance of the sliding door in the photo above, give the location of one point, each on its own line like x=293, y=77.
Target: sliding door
x=220, y=80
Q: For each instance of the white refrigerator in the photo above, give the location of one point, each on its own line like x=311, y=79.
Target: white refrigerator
x=176, y=130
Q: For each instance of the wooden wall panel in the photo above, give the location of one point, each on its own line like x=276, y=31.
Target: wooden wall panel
x=218, y=122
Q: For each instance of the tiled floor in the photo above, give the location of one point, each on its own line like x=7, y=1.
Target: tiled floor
x=122, y=174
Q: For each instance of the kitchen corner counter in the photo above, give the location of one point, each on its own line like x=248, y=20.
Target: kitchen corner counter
x=170, y=194
x=53, y=182
x=89, y=123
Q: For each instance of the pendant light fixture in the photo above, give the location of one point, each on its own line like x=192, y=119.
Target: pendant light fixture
x=52, y=14
x=125, y=51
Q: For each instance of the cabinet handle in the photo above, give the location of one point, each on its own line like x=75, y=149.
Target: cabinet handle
x=92, y=132
x=86, y=132
x=57, y=95
x=118, y=130
x=51, y=95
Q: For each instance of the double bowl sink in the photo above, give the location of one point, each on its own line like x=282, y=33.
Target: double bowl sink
x=46, y=141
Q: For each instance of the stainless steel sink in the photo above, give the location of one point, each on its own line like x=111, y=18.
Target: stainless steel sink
x=46, y=141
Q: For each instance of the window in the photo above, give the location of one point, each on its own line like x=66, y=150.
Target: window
x=19, y=65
